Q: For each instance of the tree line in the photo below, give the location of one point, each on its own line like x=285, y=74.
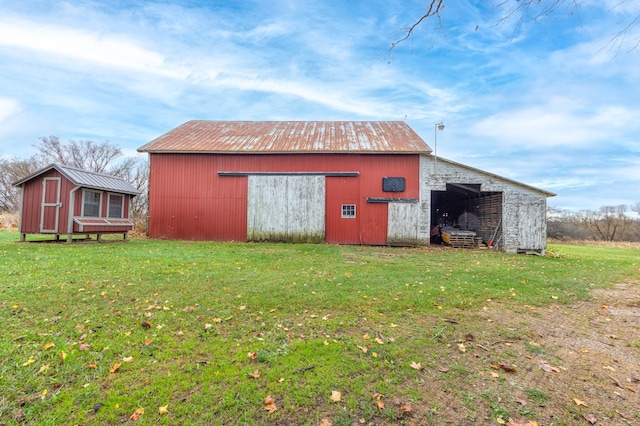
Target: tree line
x=609, y=223
x=100, y=157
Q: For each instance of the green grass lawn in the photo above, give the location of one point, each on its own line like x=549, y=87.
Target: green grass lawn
x=209, y=330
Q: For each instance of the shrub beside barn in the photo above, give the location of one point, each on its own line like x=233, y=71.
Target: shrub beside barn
x=338, y=182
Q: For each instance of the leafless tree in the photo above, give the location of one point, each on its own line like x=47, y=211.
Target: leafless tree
x=83, y=154
x=12, y=171
x=523, y=11
x=610, y=223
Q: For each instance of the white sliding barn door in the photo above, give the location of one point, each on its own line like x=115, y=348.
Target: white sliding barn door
x=286, y=208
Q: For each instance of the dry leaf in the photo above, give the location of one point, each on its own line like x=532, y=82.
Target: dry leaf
x=43, y=368
x=579, y=402
x=163, y=409
x=136, y=414
x=63, y=356
x=406, y=408
x=379, y=341
x=521, y=402
x=443, y=369
x=255, y=374
x=326, y=422
x=252, y=355
x=145, y=324
x=84, y=347
x=115, y=367
x=590, y=418
x=127, y=359
x=507, y=367
x=335, y=396
x=208, y=326
x=363, y=349
x=49, y=345
x=93, y=364
x=270, y=404
x=416, y=365
x=500, y=421
x=28, y=362
x=366, y=336
x=380, y=404
x=462, y=348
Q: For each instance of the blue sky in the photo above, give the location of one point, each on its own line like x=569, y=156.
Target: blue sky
x=554, y=104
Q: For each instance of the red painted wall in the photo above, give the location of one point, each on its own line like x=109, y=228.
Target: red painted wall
x=189, y=200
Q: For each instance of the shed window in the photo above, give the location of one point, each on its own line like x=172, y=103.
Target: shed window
x=116, y=204
x=348, y=211
x=90, y=203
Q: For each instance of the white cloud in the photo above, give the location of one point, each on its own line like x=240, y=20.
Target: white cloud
x=8, y=107
x=108, y=49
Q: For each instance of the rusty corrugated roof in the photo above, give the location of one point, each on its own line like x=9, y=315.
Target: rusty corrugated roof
x=273, y=137
x=87, y=179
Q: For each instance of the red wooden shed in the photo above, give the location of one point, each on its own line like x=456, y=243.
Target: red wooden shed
x=345, y=182
x=60, y=200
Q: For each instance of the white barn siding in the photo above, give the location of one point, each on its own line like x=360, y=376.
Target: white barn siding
x=286, y=208
x=523, y=207
x=402, y=228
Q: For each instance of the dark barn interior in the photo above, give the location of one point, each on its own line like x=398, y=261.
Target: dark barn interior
x=466, y=207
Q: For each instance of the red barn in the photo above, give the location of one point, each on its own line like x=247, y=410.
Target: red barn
x=334, y=182
x=59, y=200
x=344, y=182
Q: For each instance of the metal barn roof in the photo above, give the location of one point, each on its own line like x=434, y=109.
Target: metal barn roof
x=86, y=179
x=277, y=137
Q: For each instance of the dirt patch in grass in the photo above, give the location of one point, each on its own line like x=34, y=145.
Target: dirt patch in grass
x=564, y=364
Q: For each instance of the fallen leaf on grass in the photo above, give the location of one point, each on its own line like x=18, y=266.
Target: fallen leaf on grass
x=145, y=324
x=127, y=359
x=84, y=347
x=270, y=404
x=326, y=422
x=579, y=402
x=48, y=345
x=379, y=402
x=379, y=341
x=252, y=355
x=136, y=414
x=163, y=409
x=416, y=365
x=28, y=362
x=366, y=336
x=255, y=374
x=521, y=402
x=507, y=367
x=63, y=356
x=335, y=396
x=93, y=364
x=443, y=369
x=548, y=368
x=590, y=418
x=363, y=349
x=462, y=348
x=115, y=367
x=42, y=369
x=406, y=408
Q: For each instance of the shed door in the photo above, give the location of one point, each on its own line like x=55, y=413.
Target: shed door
x=286, y=208
x=50, y=212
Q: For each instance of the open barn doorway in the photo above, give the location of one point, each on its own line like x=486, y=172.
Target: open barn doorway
x=466, y=216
